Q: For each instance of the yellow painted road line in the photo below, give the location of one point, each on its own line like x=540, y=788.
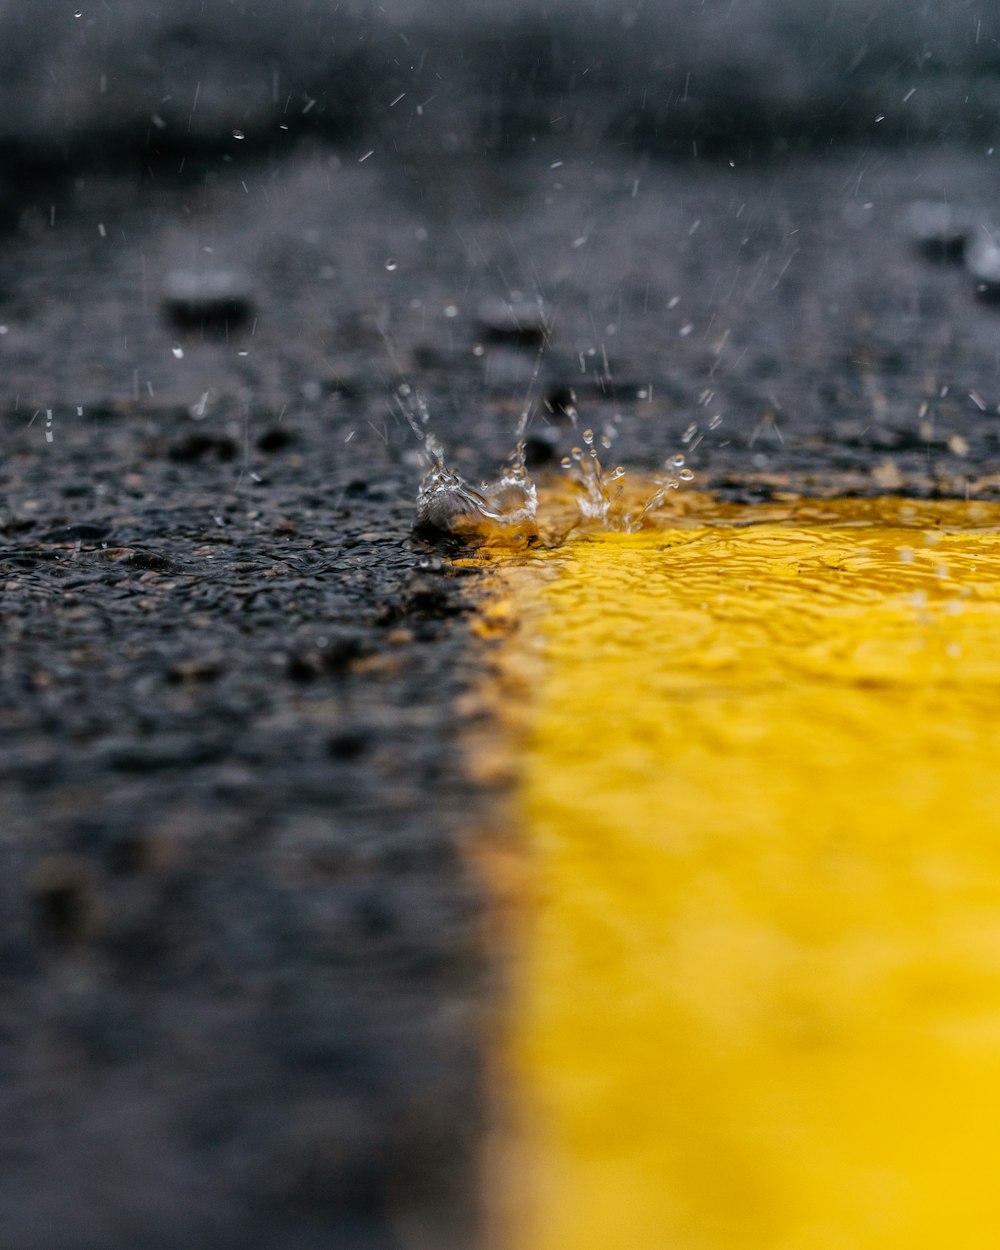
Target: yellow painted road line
x=756, y=1002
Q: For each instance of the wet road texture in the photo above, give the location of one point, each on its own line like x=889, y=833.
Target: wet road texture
x=246, y=992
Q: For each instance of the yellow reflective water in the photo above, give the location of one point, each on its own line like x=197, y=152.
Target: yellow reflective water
x=756, y=995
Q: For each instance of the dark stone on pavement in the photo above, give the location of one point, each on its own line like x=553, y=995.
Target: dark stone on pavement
x=216, y=300
x=561, y=402
x=941, y=231
x=514, y=320
x=68, y=903
x=541, y=448
x=198, y=446
x=277, y=438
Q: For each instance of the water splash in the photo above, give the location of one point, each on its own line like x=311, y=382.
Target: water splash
x=505, y=510
x=448, y=504
x=675, y=472
x=599, y=494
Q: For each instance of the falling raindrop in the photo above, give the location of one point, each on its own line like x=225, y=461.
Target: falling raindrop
x=238, y=134
x=178, y=351
x=392, y=264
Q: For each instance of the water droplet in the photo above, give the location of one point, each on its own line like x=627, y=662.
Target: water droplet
x=689, y=433
x=238, y=134
x=178, y=351
x=478, y=349
x=392, y=264
x=566, y=462
x=686, y=475
x=451, y=310
x=588, y=437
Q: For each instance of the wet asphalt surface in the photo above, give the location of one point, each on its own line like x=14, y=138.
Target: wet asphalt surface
x=244, y=988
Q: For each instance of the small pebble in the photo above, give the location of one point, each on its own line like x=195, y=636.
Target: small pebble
x=347, y=744
x=541, y=447
x=561, y=402
x=192, y=672
x=515, y=320
x=214, y=299
x=939, y=230
x=68, y=904
x=276, y=438
x=203, y=447
x=333, y=657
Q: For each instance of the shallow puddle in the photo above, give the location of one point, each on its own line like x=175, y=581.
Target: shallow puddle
x=755, y=999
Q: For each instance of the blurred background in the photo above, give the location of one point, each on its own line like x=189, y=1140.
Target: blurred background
x=103, y=81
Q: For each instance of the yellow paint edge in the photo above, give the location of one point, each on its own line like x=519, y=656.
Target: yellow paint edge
x=824, y=962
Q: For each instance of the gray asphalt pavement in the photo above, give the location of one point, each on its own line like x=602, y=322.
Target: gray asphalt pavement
x=244, y=992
